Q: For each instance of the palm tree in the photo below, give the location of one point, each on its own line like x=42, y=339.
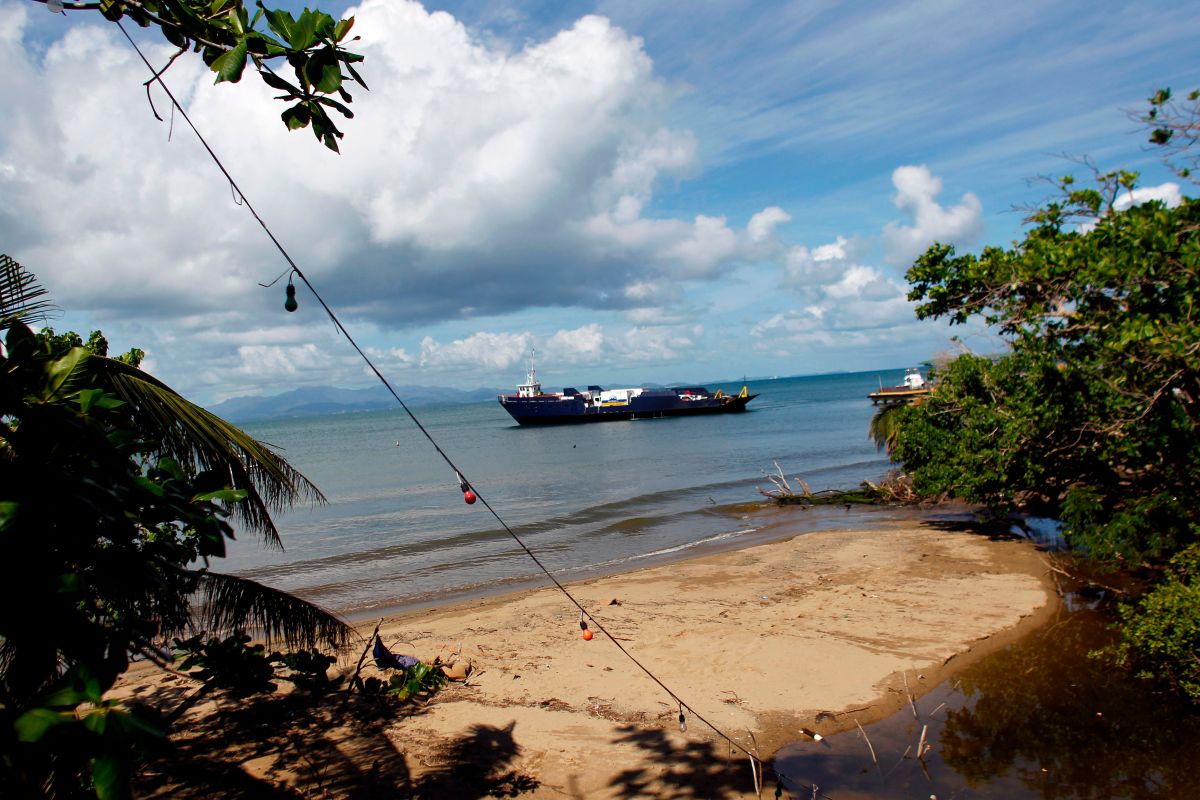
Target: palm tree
x=114, y=493
x=202, y=443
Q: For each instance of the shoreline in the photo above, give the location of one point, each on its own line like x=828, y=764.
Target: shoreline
x=768, y=523
x=816, y=629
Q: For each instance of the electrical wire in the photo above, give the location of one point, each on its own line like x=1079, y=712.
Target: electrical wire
x=294, y=268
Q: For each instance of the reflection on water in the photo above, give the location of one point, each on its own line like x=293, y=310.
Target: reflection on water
x=1039, y=719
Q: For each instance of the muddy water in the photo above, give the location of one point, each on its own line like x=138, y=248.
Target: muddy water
x=1040, y=719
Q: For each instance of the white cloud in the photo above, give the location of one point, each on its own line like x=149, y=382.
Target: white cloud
x=583, y=345
x=701, y=250
x=916, y=195
x=268, y=362
x=543, y=170
x=821, y=265
x=660, y=343
x=1168, y=193
x=793, y=322
x=762, y=225
x=483, y=349
x=474, y=180
x=845, y=300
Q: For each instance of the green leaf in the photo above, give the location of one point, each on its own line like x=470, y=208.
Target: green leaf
x=353, y=72
x=235, y=22
x=224, y=495
x=112, y=10
x=323, y=71
x=150, y=486
x=304, y=32
x=171, y=467
x=174, y=36
x=230, y=64
x=88, y=398
x=329, y=101
x=258, y=45
x=297, y=116
x=108, y=776
x=63, y=371
x=96, y=720
x=276, y=82
x=8, y=512
x=342, y=28
x=34, y=723
x=280, y=22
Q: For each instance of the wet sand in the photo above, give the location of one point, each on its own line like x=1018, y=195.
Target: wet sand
x=816, y=631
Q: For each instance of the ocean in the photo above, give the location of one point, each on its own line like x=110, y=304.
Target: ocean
x=586, y=499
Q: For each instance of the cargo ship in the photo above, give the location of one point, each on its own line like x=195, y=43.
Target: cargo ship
x=531, y=406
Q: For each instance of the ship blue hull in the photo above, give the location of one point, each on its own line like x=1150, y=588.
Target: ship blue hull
x=559, y=410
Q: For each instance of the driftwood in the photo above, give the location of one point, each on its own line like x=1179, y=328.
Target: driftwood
x=868, y=741
x=894, y=488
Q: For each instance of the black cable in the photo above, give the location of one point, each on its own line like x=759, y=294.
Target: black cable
x=445, y=457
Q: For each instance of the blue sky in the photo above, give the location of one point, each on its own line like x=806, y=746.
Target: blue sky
x=642, y=191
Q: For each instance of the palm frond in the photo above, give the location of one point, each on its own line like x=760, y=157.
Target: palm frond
x=229, y=603
x=885, y=426
x=21, y=296
x=200, y=440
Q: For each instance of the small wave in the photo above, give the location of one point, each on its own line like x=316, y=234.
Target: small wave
x=617, y=562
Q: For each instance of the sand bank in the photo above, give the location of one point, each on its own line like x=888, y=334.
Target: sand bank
x=813, y=631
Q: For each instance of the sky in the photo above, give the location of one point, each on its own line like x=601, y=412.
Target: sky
x=639, y=191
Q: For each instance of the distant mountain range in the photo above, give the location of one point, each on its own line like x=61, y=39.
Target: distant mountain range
x=315, y=400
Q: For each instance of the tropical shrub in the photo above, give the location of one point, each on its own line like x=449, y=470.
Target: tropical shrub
x=1091, y=416
x=115, y=496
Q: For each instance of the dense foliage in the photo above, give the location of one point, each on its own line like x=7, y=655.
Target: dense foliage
x=1091, y=418
x=115, y=495
x=229, y=39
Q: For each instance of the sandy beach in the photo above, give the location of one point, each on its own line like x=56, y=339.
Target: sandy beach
x=816, y=631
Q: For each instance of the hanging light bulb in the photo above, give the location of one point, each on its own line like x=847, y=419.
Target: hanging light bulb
x=290, y=302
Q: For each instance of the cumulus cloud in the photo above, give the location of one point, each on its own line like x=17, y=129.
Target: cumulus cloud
x=483, y=349
x=916, y=195
x=762, y=225
x=269, y=362
x=588, y=345
x=837, y=287
x=477, y=179
x=820, y=265
x=845, y=301
x=1168, y=193
x=582, y=345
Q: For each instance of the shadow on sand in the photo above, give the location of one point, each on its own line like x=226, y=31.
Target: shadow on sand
x=692, y=769
x=295, y=745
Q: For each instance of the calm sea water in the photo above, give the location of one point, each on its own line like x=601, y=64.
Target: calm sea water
x=585, y=498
